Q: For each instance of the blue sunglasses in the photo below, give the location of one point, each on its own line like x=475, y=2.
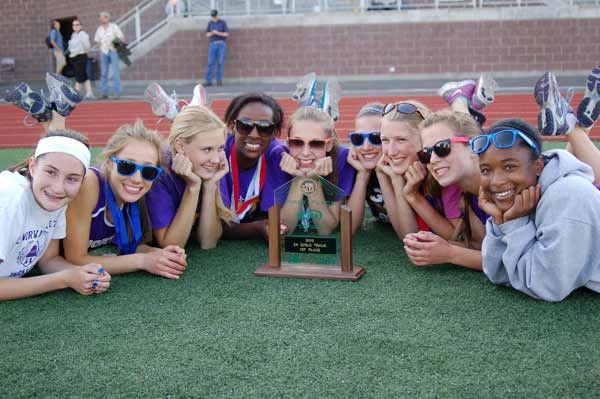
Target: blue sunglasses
x=128, y=168
x=502, y=139
x=358, y=138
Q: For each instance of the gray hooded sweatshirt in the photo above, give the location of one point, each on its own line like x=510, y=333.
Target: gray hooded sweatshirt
x=556, y=249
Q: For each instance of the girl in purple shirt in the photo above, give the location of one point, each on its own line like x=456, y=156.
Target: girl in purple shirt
x=195, y=163
x=315, y=156
x=253, y=156
x=110, y=208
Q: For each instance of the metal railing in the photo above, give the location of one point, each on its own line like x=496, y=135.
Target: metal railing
x=142, y=21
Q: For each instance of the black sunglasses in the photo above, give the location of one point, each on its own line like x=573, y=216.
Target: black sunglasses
x=403, y=108
x=128, y=168
x=245, y=127
x=442, y=149
x=358, y=138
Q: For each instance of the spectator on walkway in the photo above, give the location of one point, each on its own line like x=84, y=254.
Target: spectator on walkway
x=105, y=34
x=217, y=34
x=175, y=8
x=58, y=47
x=79, y=45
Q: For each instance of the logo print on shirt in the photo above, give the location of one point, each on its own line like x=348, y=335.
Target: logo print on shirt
x=34, y=243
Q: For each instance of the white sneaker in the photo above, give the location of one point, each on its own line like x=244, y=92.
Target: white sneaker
x=306, y=87
x=163, y=106
x=200, y=97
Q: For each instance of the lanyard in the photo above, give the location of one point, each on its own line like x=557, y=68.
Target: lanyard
x=132, y=212
x=254, y=188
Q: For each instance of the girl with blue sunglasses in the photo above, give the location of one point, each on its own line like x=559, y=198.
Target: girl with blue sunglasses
x=542, y=236
x=111, y=208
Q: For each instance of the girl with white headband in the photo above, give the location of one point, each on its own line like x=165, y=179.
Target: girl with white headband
x=111, y=208
x=33, y=200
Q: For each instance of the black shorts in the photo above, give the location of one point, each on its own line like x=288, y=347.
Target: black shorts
x=79, y=63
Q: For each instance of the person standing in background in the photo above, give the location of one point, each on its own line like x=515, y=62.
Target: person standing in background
x=175, y=8
x=105, y=34
x=58, y=47
x=79, y=45
x=217, y=34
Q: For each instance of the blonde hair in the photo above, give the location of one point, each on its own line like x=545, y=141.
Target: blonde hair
x=461, y=125
x=196, y=120
x=116, y=143
x=321, y=117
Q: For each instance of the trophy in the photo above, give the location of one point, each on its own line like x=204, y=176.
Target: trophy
x=310, y=250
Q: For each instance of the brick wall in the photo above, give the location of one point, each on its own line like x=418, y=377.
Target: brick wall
x=26, y=23
x=459, y=47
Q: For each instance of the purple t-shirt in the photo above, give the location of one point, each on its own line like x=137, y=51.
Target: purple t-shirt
x=346, y=173
x=164, y=197
x=275, y=179
x=101, y=231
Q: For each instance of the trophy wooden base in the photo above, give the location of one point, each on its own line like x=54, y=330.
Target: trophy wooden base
x=308, y=271
x=346, y=271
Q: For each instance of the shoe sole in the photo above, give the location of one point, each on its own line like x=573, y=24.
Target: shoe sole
x=305, y=89
x=29, y=101
x=485, y=91
x=200, y=96
x=588, y=110
x=60, y=86
x=545, y=95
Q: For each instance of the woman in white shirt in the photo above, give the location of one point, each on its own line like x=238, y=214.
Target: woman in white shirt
x=79, y=45
x=33, y=199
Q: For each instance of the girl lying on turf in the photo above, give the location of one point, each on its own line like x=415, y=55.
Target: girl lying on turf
x=253, y=156
x=411, y=199
x=314, y=153
x=542, y=236
x=189, y=186
x=111, y=209
x=33, y=200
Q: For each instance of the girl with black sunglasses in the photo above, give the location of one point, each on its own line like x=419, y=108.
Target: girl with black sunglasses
x=445, y=153
x=253, y=155
x=317, y=163
x=542, y=236
x=111, y=209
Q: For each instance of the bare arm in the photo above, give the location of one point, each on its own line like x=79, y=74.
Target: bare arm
x=438, y=224
x=293, y=204
x=404, y=221
x=330, y=212
x=210, y=228
x=244, y=231
x=356, y=202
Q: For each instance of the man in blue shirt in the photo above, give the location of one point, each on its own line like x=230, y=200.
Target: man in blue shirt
x=217, y=34
x=58, y=49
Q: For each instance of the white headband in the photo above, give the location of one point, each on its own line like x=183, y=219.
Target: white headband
x=65, y=145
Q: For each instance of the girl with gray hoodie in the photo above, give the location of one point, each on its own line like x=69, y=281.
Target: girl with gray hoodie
x=543, y=233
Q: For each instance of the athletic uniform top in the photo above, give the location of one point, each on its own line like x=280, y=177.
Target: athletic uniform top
x=164, y=197
x=275, y=178
x=102, y=232
x=25, y=228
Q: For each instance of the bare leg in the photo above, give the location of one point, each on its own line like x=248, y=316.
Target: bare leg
x=584, y=149
x=77, y=86
x=460, y=104
x=57, y=123
x=88, y=88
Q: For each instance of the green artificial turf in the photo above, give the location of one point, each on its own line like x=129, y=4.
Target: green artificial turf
x=401, y=331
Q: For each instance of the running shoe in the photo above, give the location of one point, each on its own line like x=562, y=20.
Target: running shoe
x=330, y=99
x=306, y=87
x=452, y=90
x=484, y=92
x=62, y=94
x=33, y=103
x=163, y=106
x=589, y=107
x=556, y=115
x=200, y=97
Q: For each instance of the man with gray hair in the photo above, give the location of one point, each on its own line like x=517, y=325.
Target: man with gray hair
x=105, y=34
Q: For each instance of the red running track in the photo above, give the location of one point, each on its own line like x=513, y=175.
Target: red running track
x=99, y=120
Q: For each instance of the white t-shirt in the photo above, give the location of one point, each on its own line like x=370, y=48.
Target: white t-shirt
x=25, y=228
x=106, y=36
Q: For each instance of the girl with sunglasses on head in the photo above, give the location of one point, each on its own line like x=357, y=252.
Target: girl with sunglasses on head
x=542, y=234
x=253, y=156
x=445, y=137
x=111, y=208
x=412, y=199
x=314, y=152
x=33, y=199
x=195, y=163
